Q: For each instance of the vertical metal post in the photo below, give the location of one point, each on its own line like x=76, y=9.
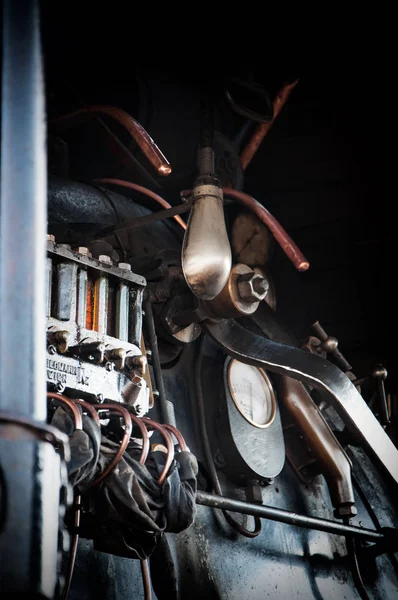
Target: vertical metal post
x=23, y=215
x=29, y=468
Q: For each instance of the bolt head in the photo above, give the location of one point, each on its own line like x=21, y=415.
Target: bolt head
x=252, y=287
x=82, y=250
x=50, y=238
x=124, y=266
x=345, y=510
x=105, y=259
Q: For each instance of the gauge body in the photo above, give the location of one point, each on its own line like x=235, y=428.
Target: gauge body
x=243, y=421
x=251, y=390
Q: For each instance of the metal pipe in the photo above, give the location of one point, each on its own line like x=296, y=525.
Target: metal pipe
x=137, y=132
x=146, y=580
x=169, y=444
x=124, y=443
x=181, y=441
x=333, y=461
x=89, y=409
x=157, y=368
x=288, y=246
x=143, y=190
x=29, y=533
x=263, y=128
x=285, y=516
x=77, y=416
x=23, y=214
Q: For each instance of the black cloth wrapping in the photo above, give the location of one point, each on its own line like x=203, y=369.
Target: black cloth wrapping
x=127, y=513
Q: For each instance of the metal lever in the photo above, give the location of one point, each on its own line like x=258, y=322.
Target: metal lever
x=308, y=368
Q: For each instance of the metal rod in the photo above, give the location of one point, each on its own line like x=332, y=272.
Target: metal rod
x=137, y=223
x=285, y=516
x=263, y=128
x=157, y=368
x=335, y=352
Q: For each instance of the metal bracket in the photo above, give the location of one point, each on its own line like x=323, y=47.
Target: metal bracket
x=308, y=368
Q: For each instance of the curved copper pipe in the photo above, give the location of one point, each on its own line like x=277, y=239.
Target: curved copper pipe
x=143, y=190
x=178, y=435
x=125, y=441
x=145, y=438
x=169, y=444
x=77, y=415
x=263, y=128
x=137, y=132
x=89, y=408
x=288, y=246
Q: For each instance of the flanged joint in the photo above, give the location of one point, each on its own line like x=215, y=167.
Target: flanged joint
x=252, y=287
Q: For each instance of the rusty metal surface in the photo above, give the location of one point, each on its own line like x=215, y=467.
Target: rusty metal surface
x=262, y=129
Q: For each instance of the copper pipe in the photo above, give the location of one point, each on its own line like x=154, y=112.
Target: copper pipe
x=332, y=459
x=288, y=246
x=182, y=443
x=145, y=438
x=169, y=445
x=143, y=190
x=77, y=415
x=124, y=443
x=146, y=579
x=89, y=409
x=137, y=132
x=263, y=128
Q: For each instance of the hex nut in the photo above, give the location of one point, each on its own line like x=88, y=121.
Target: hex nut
x=124, y=266
x=252, y=287
x=82, y=250
x=105, y=259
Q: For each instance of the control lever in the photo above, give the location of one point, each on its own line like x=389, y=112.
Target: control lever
x=309, y=368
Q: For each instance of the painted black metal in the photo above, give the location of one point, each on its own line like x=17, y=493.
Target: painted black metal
x=285, y=516
x=30, y=467
x=157, y=368
x=311, y=369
